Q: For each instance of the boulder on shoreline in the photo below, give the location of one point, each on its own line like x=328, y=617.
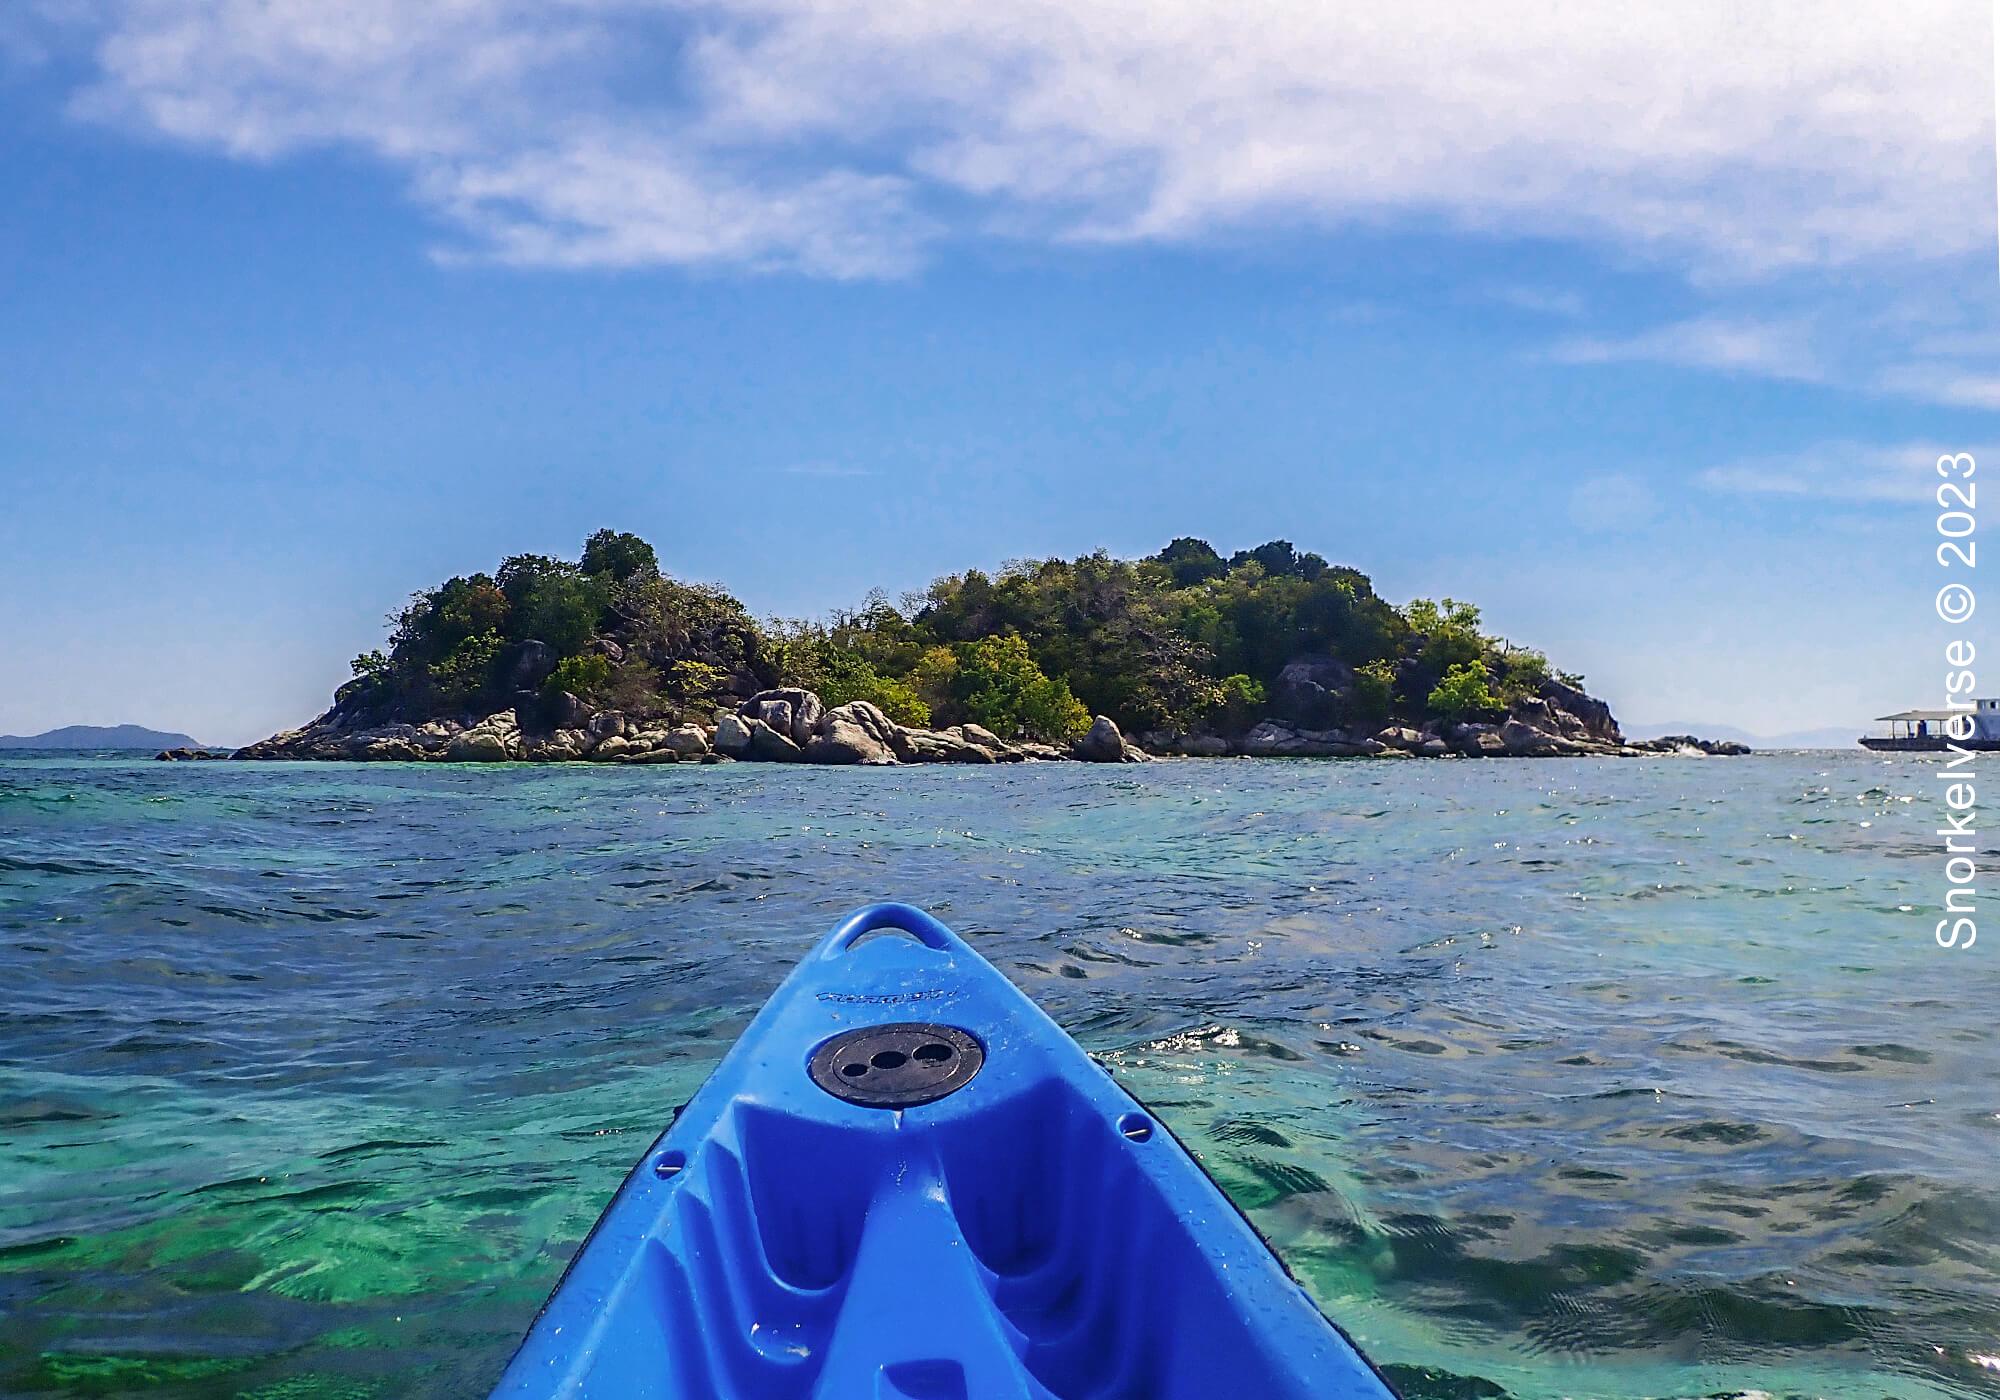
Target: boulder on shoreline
x=1105, y=744
x=793, y=725
x=1688, y=746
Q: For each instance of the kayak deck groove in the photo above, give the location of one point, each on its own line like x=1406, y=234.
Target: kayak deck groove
x=904, y=1182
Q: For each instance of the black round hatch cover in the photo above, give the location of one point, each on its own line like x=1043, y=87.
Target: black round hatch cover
x=897, y=1066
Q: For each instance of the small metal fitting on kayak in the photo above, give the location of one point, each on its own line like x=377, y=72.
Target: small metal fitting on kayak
x=897, y=1066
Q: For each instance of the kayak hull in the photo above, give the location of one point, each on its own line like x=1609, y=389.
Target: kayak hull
x=905, y=1182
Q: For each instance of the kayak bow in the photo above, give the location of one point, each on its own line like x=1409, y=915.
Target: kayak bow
x=904, y=1182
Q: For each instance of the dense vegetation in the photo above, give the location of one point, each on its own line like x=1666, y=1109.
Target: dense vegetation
x=1185, y=640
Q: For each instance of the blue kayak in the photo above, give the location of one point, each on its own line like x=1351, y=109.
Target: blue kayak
x=904, y=1182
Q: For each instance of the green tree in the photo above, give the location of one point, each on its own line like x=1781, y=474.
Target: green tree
x=552, y=601
x=695, y=684
x=1191, y=561
x=463, y=678
x=1241, y=700
x=667, y=622
x=1523, y=671
x=1178, y=640
x=996, y=683
x=1374, y=692
x=1464, y=693
x=1278, y=559
x=619, y=557
x=582, y=676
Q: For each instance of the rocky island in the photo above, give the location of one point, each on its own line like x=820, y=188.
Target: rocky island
x=1269, y=652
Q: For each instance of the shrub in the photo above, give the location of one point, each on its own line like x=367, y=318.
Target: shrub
x=1190, y=561
x=619, y=557
x=1242, y=699
x=1464, y=693
x=463, y=677
x=898, y=700
x=1374, y=690
x=552, y=601
x=996, y=683
x=582, y=676
x=695, y=683
x=1523, y=671
x=667, y=622
x=895, y=698
x=634, y=687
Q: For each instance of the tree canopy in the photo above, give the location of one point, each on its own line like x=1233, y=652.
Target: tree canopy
x=1186, y=639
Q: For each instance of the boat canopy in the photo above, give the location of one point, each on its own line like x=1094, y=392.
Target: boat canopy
x=1914, y=715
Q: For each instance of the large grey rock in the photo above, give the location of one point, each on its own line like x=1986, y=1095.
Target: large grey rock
x=1400, y=737
x=971, y=734
x=774, y=713
x=563, y=746
x=1592, y=714
x=1103, y=743
x=614, y=748
x=494, y=739
x=869, y=716
x=1689, y=746
x=1269, y=739
x=843, y=738
x=1273, y=740
x=1479, y=740
x=931, y=746
x=732, y=735
x=606, y=723
x=478, y=746
x=1524, y=739
x=531, y=666
x=566, y=712
x=1174, y=741
x=1311, y=689
x=687, y=740
x=792, y=712
x=769, y=746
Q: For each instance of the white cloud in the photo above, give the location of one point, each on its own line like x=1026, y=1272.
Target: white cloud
x=1900, y=352
x=1775, y=349
x=1837, y=471
x=1943, y=382
x=844, y=137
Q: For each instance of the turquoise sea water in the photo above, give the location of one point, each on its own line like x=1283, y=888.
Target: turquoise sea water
x=1549, y=1079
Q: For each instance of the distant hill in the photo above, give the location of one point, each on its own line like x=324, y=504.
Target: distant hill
x=99, y=736
x=1836, y=737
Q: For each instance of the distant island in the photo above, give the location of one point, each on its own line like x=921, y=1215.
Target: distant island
x=99, y=736
x=1826, y=737
x=1266, y=652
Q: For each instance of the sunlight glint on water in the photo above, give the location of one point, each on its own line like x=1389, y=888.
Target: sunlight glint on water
x=1611, y=1079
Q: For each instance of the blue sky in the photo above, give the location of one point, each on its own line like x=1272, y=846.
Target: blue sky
x=1641, y=333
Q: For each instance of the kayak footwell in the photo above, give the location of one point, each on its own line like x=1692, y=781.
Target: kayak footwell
x=1027, y=1232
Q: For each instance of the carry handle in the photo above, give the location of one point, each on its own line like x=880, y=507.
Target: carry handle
x=888, y=917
